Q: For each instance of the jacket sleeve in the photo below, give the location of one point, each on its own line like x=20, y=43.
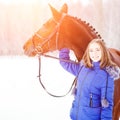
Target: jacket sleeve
x=66, y=63
x=107, y=103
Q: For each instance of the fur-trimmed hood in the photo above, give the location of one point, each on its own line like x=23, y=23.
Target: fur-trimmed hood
x=114, y=72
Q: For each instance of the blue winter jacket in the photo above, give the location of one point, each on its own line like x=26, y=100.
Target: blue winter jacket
x=91, y=90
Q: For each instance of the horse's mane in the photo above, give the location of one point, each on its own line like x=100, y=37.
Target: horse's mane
x=88, y=26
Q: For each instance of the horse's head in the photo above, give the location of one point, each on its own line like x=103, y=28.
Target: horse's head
x=61, y=31
x=45, y=39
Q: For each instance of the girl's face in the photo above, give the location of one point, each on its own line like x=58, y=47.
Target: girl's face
x=95, y=52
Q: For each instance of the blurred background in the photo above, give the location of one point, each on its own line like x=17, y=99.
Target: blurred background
x=19, y=19
x=21, y=95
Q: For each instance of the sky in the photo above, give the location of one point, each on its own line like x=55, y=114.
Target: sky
x=84, y=2
x=42, y=1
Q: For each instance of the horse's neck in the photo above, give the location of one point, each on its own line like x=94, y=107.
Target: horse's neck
x=78, y=53
x=78, y=45
x=115, y=54
x=78, y=48
x=78, y=38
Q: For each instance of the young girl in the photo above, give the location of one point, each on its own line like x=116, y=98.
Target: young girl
x=95, y=82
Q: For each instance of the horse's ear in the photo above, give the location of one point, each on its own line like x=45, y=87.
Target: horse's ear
x=56, y=14
x=64, y=8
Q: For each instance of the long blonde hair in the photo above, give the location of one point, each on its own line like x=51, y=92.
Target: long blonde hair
x=105, y=58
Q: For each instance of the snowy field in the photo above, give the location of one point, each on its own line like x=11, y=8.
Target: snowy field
x=23, y=98
x=21, y=95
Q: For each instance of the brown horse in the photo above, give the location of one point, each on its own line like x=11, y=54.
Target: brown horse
x=65, y=31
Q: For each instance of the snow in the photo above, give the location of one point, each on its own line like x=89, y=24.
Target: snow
x=21, y=95
x=23, y=98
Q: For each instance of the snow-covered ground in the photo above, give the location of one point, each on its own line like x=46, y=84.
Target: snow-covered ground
x=21, y=95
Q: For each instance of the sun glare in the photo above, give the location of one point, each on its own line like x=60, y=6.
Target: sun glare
x=85, y=2
x=16, y=1
x=29, y=1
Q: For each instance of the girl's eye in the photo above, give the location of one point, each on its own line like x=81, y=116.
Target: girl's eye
x=90, y=50
x=94, y=50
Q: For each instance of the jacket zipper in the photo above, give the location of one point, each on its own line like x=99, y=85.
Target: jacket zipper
x=81, y=92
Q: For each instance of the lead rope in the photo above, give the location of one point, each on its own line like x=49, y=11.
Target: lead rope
x=39, y=76
x=104, y=100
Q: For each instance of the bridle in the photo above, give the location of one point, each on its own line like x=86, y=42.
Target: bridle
x=39, y=76
x=39, y=47
x=47, y=39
